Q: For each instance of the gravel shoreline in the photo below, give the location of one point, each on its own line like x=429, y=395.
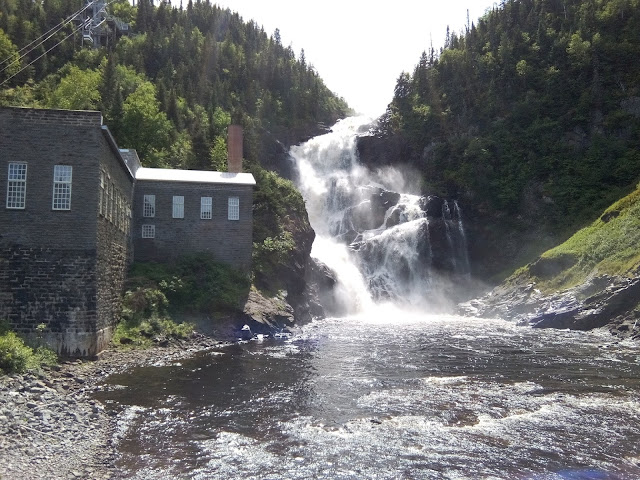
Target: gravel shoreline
x=51, y=428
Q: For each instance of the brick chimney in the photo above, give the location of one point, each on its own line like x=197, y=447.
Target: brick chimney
x=234, y=149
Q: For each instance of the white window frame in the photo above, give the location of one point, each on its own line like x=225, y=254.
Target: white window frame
x=123, y=218
x=233, y=210
x=62, y=182
x=149, y=206
x=206, y=208
x=17, y=186
x=118, y=209
x=178, y=206
x=148, y=231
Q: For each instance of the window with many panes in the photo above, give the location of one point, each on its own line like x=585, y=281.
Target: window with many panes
x=206, y=207
x=62, y=175
x=178, y=206
x=234, y=208
x=149, y=206
x=17, y=185
x=148, y=231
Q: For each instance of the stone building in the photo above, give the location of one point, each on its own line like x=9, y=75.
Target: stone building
x=185, y=211
x=78, y=210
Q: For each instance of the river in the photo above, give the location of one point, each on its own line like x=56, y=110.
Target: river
x=389, y=395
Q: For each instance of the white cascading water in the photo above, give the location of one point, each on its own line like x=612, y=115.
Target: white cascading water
x=375, y=257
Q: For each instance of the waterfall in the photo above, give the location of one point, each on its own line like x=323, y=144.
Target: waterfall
x=382, y=241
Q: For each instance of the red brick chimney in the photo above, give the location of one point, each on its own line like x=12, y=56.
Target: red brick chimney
x=234, y=149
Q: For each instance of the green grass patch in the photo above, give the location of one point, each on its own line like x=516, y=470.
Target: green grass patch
x=144, y=334
x=145, y=319
x=610, y=245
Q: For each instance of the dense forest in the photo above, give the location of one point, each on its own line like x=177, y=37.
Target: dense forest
x=169, y=89
x=530, y=113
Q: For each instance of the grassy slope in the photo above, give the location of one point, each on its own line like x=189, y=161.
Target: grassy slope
x=610, y=245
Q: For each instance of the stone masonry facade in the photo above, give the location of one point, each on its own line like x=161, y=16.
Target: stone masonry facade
x=228, y=241
x=70, y=227
x=53, y=256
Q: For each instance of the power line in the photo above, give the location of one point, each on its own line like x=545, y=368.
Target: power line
x=81, y=26
x=56, y=28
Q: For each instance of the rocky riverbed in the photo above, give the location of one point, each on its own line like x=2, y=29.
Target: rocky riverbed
x=51, y=428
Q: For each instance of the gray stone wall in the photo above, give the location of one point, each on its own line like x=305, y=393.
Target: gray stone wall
x=64, y=269
x=228, y=241
x=54, y=287
x=42, y=142
x=114, y=250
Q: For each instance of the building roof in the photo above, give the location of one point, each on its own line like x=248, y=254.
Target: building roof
x=118, y=153
x=197, y=176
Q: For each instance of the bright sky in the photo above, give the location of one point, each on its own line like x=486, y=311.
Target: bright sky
x=360, y=47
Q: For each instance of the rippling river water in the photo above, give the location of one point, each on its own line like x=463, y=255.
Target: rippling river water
x=388, y=396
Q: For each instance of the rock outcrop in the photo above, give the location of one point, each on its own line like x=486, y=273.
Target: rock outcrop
x=609, y=302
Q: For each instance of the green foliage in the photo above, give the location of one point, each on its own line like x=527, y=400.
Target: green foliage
x=16, y=357
x=14, y=354
x=9, y=55
x=142, y=334
x=194, y=284
x=607, y=246
x=271, y=252
x=144, y=126
x=279, y=221
x=77, y=90
x=145, y=316
x=276, y=201
x=531, y=103
x=142, y=303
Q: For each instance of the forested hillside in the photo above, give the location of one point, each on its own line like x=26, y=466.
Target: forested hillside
x=169, y=88
x=531, y=117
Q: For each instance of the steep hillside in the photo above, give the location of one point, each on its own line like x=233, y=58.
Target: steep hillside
x=591, y=280
x=530, y=118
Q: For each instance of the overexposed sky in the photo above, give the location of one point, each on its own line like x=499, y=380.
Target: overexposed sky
x=360, y=47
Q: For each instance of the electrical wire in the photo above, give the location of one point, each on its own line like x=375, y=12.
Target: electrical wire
x=51, y=32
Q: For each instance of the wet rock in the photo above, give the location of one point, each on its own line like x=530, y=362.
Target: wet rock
x=432, y=206
x=603, y=301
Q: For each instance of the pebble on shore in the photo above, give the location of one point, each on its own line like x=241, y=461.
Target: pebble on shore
x=51, y=427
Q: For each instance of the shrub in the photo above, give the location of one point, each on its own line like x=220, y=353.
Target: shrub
x=143, y=303
x=142, y=334
x=195, y=283
x=15, y=356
